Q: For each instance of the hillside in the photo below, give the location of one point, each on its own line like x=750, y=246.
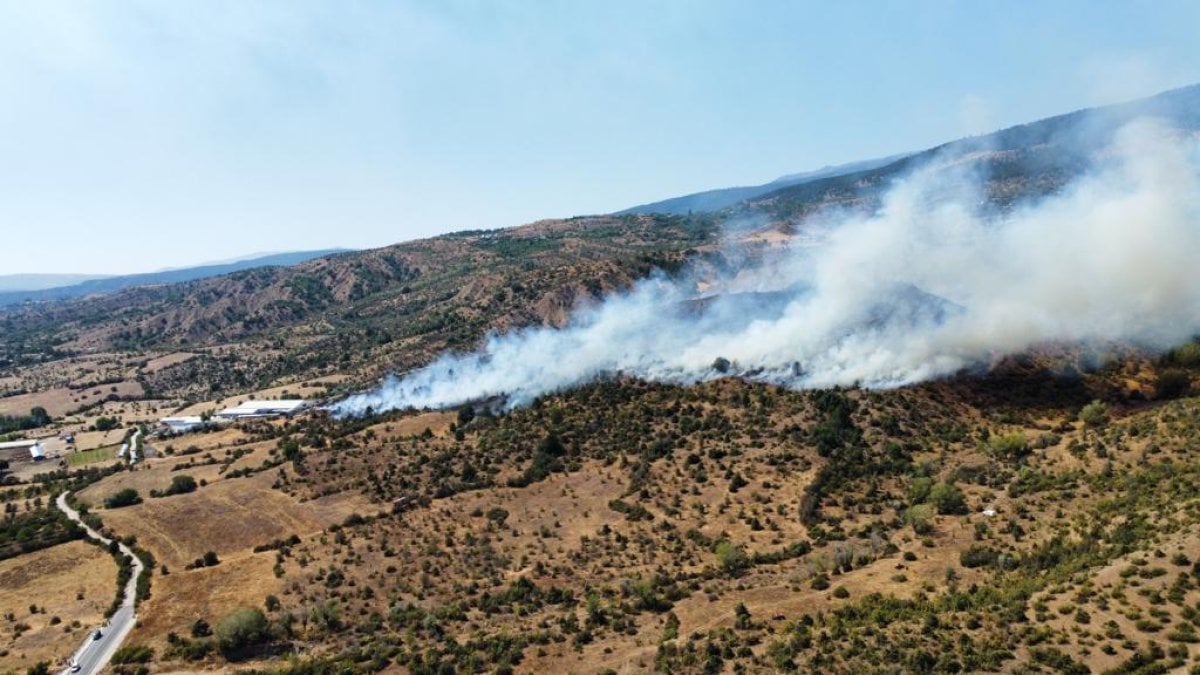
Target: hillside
x=1021, y=162
x=1037, y=512
x=359, y=312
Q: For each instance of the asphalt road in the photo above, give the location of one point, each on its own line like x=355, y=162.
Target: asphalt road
x=94, y=654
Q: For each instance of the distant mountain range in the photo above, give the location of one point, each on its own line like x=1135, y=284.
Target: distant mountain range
x=715, y=200
x=38, y=282
x=18, y=288
x=1018, y=162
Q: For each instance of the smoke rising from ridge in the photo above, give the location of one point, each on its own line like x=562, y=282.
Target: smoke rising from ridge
x=930, y=284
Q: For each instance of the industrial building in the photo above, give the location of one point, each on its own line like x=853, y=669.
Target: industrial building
x=259, y=409
x=180, y=425
x=36, y=451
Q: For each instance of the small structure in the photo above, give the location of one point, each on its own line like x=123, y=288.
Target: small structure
x=37, y=452
x=989, y=512
x=179, y=425
x=261, y=409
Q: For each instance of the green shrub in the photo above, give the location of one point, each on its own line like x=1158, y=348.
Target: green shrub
x=243, y=627
x=182, y=484
x=948, y=499
x=126, y=497
x=978, y=556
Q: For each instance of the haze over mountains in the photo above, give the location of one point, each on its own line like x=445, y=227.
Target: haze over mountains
x=19, y=288
x=37, y=282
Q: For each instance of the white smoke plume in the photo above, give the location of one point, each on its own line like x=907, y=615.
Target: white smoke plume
x=923, y=288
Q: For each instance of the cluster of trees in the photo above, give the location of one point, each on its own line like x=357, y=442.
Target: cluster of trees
x=37, y=417
x=34, y=529
x=180, y=485
x=209, y=559
x=121, y=498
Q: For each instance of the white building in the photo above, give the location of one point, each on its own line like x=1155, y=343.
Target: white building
x=37, y=452
x=179, y=425
x=257, y=409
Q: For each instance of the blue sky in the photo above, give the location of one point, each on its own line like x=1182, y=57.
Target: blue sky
x=142, y=135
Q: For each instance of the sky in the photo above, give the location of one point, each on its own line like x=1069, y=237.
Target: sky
x=137, y=136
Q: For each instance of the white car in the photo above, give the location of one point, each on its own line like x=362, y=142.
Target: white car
x=74, y=668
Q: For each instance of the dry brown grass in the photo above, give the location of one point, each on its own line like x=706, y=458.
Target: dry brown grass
x=73, y=581
x=156, y=364
x=181, y=597
x=227, y=516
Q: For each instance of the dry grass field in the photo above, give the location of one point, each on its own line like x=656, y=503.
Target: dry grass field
x=72, y=582
x=226, y=516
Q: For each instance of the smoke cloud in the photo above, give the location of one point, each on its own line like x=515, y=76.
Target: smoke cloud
x=933, y=282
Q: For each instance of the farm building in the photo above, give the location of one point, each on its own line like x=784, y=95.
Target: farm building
x=33, y=445
x=179, y=425
x=255, y=409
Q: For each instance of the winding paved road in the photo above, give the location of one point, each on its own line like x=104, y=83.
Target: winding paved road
x=94, y=654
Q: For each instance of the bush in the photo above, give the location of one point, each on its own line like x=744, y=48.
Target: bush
x=181, y=485
x=730, y=557
x=126, y=497
x=243, y=627
x=978, y=556
x=920, y=517
x=1094, y=415
x=948, y=499
x=1172, y=384
x=1009, y=446
x=133, y=654
x=1187, y=355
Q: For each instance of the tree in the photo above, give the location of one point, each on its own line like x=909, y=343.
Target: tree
x=181, y=485
x=1172, y=384
x=730, y=557
x=741, y=615
x=1187, y=355
x=1094, y=415
x=241, y=628
x=1009, y=446
x=920, y=517
x=126, y=497
x=948, y=499
x=918, y=492
x=106, y=423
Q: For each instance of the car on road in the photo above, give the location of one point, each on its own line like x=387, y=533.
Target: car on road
x=74, y=668
x=97, y=635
